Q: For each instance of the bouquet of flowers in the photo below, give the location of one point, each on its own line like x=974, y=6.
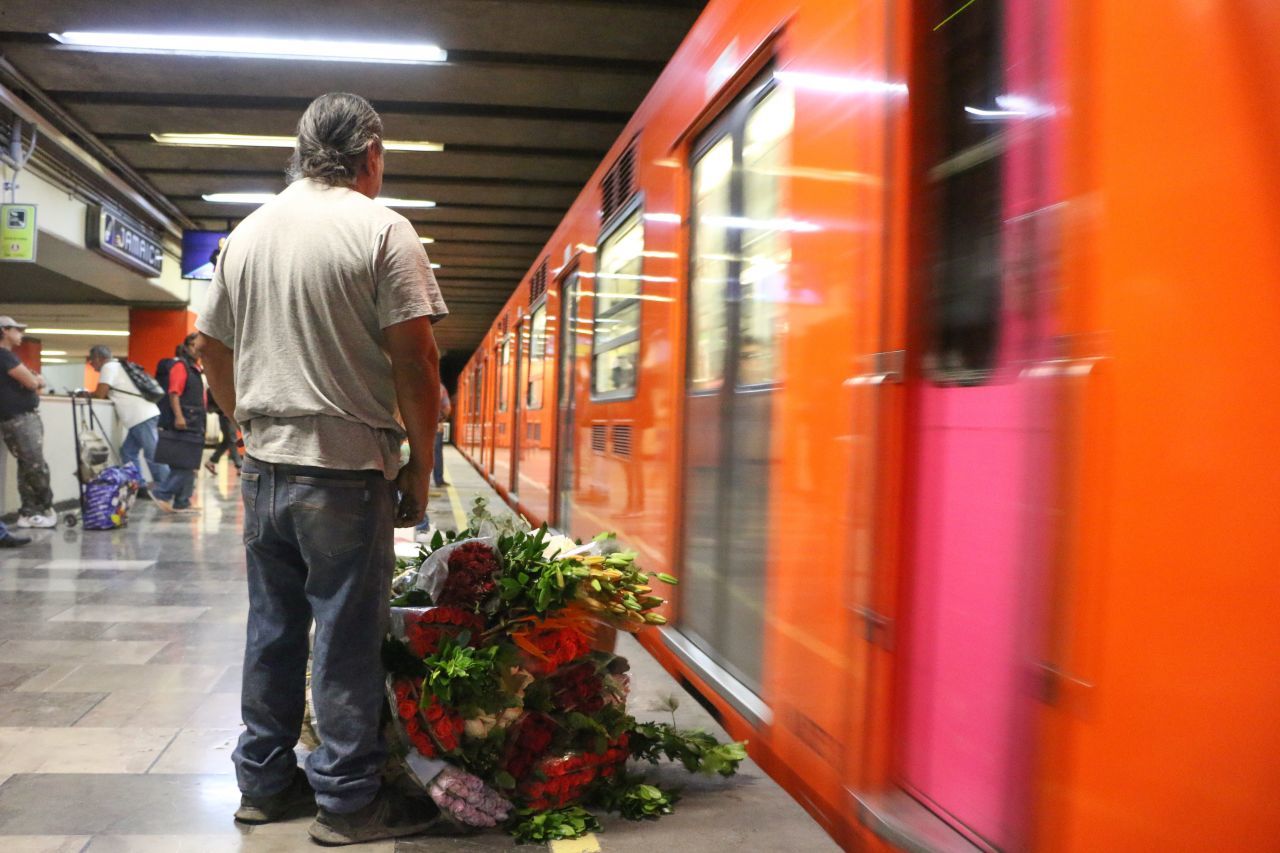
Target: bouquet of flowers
x=495, y=687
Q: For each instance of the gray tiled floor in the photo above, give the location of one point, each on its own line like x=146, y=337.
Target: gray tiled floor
x=119, y=701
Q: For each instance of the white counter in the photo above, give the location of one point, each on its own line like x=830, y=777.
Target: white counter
x=59, y=451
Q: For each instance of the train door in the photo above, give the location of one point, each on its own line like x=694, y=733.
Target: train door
x=501, y=405
x=490, y=408
x=519, y=345
x=980, y=420
x=738, y=264
x=567, y=383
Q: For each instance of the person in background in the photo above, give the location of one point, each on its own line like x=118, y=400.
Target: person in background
x=163, y=366
x=185, y=412
x=325, y=396
x=139, y=417
x=424, y=531
x=446, y=409
x=229, y=442
x=23, y=430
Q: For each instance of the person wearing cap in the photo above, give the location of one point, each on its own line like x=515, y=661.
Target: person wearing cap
x=22, y=429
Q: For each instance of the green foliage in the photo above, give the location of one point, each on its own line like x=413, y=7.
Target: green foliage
x=463, y=677
x=530, y=581
x=637, y=800
x=698, y=751
x=541, y=827
x=669, y=703
x=480, y=517
x=398, y=660
x=413, y=598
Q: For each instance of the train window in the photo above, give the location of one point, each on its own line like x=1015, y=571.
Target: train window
x=710, y=274
x=535, y=362
x=766, y=252
x=966, y=184
x=615, y=342
x=504, y=359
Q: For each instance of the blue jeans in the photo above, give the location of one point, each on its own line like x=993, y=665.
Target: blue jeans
x=141, y=439
x=177, y=487
x=319, y=546
x=438, y=472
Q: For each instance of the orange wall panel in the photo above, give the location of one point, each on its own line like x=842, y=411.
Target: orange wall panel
x=155, y=332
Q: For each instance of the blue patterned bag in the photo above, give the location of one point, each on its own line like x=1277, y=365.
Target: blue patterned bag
x=108, y=498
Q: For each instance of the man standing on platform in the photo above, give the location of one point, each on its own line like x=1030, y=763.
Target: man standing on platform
x=317, y=336
x=23, y=430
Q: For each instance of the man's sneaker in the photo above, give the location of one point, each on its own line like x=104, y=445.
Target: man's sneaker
x=49, y=520
x=423, y=535
x=11, y=541
x=392, y=814
x=294, y=801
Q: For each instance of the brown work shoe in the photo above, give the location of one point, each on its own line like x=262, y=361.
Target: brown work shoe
x=294, y=801
x=391, y=814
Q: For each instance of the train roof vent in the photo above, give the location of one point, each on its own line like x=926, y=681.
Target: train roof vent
x=622, y=440
x=597, y=437
x=619, y=184
x=538, y=284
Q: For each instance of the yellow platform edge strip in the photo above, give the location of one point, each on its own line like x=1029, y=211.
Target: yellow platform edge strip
x=586, y=844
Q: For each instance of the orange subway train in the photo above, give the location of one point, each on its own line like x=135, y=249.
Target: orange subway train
x=934, y=345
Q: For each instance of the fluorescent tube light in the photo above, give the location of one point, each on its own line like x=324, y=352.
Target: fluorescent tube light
x=245, y=140
x=202, y=44
x=44, y=360
x=263, y=198
x=426, y=240
x=45, y=352
x=435, y=266
x=102, y=333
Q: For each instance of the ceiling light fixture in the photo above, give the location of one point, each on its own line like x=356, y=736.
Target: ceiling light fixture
x=202, y=44
x=263, y=198
x=426, y=239
x=44, y=360
x=102, y=333
x=245, y=140
x=44, y=352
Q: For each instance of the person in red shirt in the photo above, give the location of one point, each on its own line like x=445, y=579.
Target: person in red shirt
x=182, y=422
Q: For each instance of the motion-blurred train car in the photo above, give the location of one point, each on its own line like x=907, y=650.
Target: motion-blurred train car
x=936, y=347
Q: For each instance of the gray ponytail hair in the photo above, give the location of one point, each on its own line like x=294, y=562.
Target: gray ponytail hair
x=334, y=134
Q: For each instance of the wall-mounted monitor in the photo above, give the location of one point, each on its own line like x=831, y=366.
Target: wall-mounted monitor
x=200, y=251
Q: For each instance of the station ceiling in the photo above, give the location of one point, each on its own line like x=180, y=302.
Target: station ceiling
x=532, y=95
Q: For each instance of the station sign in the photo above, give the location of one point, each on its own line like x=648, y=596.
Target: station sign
x=18, y=232
x=109, y=234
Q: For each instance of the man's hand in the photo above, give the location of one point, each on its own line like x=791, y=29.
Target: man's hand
x=180, y=423
x=412, y=481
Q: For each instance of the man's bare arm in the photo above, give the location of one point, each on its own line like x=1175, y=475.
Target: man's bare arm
x=26, y=378
x=220, y=369
x=415, y=369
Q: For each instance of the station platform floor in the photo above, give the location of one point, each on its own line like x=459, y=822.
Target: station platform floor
x=120, y=662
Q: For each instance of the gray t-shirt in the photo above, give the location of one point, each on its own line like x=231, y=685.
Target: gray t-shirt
x=302, y=292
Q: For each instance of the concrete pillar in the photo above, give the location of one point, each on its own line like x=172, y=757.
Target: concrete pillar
x=29, y=353
x=154, y=332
